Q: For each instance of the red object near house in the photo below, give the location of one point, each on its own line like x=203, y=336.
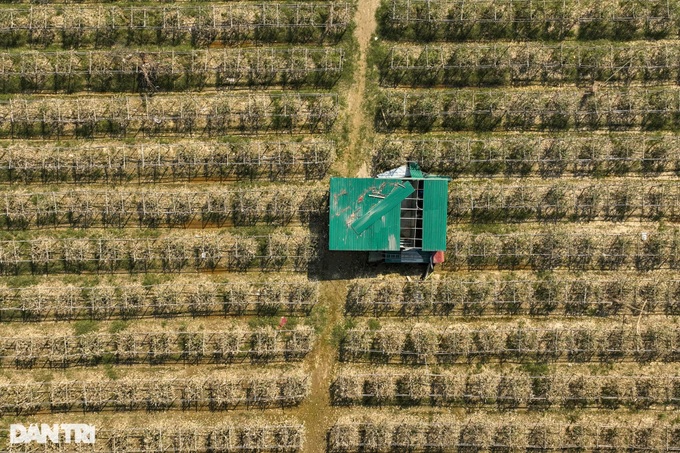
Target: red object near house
x=438, y=258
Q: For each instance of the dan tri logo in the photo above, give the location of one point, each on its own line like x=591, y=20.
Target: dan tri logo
x=65, y=433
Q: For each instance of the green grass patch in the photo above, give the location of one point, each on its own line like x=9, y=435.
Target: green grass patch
x=340, y=330
x=110, y=372
x=318, y=318
x=374, y=324
x=22, y=281
x=535, y=368
x=268, y=321
x=85, y=327
x=155, y=279
x=118, y=326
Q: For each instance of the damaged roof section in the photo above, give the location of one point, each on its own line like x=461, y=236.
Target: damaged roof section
x=386, y=203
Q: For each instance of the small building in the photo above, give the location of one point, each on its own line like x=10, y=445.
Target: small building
x=400, y=213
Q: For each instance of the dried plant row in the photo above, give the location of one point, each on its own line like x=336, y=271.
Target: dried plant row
x=524, y=155
x=549, y=20
x=579, y=342
x=196, y=297
x=172, y=253
x=506, y=390
x=215, y=393
x=565, y=201
x=548, y=109
x=555, y=249
x=234, y=344
x=547, y=296
x=177, y=207
x=529, y=63
x=119, y=162
x=184, y=114
x=255, y=436
x=169, y=70
x=103, y=26
x=259, y=435
x=479, y=432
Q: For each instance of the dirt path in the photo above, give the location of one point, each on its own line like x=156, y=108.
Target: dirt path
x=317, y=413
x=366, y=26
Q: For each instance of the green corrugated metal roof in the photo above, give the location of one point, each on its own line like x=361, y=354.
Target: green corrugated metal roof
x=382, y=207
x=365, y=213
x=414, y=170
x=435, y=201
x=350, y=201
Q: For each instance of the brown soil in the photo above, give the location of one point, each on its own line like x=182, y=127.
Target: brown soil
x=366, y=25
x=316, y=412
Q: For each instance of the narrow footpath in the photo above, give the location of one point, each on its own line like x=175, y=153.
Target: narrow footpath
x=317, y=413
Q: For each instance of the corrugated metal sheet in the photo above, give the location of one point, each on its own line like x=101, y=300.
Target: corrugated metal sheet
x=435, y=206
x=414, y=170
x=349, y=201
x=395, y=173
x=365, y=213
x=391, y=201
